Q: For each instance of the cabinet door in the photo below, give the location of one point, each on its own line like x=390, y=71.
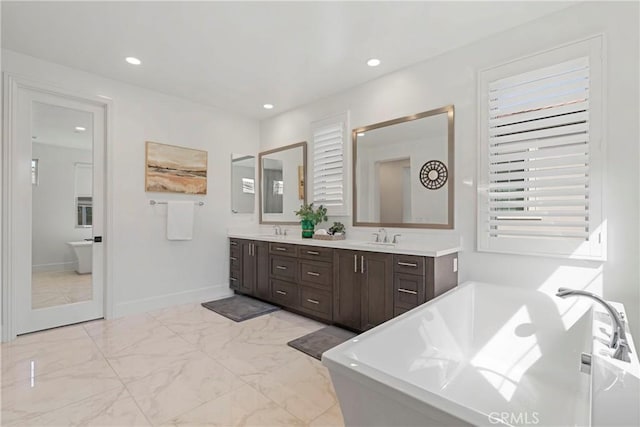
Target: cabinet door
x=346, y=288
x=247, y=285
x=262, y=289
x=377, y=289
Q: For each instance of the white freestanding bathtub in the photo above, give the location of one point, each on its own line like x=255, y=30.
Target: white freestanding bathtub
x=480, y=354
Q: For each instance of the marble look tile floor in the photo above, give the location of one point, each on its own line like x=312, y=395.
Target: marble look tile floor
x=183, y=365
x=59, y=287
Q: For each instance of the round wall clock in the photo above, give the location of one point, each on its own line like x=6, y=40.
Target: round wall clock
x=433, y=174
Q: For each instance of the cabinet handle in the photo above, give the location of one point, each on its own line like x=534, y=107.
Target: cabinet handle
x=355, y=263
x=408, y=264
x=407, y=291
x=281, y=292
x=312, y=301
x=281, y=249
x=233, y=258
x=281, y=267
x=313, y=273
x=233, y=279
x=313, y=253
x=233, y=243
x=361, y=263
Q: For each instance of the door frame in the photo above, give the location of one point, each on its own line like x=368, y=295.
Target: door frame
x=12, y=83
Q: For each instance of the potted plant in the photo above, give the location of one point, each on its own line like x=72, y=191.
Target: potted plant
x=310, y=217
x=337, y=229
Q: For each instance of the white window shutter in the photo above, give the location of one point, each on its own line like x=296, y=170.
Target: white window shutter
x=537, y=162
x=329, y=164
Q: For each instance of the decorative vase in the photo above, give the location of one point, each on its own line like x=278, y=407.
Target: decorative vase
x=307, y=228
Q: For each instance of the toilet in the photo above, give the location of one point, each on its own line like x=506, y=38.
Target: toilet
x=84, y=253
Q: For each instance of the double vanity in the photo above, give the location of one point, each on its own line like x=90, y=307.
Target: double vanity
x=354, y=284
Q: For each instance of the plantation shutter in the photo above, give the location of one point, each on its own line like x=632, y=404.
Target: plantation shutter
x=328, y=165
x=539, y=153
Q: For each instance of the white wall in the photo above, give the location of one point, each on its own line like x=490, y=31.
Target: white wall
x=451, y=79
x=148, y=270
x=54, y=207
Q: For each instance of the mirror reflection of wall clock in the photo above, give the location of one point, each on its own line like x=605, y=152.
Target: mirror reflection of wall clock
x=433, y=174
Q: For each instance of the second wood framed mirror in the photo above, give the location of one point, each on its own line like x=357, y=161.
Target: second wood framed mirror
x=403, y=171
x=282, y=183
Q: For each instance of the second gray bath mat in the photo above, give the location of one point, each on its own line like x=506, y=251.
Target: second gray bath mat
x=316, y=343
x=240, y=308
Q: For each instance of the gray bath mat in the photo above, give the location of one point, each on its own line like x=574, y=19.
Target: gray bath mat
x=240, y=308
x=316, y=343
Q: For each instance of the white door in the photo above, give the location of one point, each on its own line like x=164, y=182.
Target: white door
x=57, y=210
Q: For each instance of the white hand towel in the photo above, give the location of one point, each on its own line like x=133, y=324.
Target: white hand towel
x=180, y=220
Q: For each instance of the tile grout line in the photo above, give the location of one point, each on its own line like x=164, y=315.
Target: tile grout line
x=124, y=384
x=231, y=391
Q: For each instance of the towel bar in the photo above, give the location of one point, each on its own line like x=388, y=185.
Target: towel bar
x=154, y=202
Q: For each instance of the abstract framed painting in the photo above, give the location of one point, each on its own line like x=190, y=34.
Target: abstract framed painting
x=173, y=169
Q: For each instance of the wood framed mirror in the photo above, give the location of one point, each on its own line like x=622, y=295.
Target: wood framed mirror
x=403, y=171
x=282, y=183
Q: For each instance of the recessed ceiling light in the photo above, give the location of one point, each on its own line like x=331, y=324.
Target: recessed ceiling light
x=373, y=62
x=132, y=60
x=80, y=129
x=360, y=133
x=268, y=106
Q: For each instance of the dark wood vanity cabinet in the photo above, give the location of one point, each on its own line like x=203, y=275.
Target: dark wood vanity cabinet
x=249, y=268
x=355, y=289
x=418, y=279
x=371, y=288
x=362, y=295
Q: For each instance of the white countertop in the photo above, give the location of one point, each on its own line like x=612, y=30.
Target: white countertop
x=428, y=248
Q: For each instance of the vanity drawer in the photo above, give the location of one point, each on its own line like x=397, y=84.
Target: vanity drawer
x=235, y=251
x=235, y=277
x=408, y=290
x=234, y=243
x=315, y=253
x=316, y=302
x=314, y=273
x=408, y=264
x=283, y=267
x=284, y=293
x=282, y=249
x=235, y=260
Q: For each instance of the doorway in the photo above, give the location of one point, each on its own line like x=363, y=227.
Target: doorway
x=54, y=210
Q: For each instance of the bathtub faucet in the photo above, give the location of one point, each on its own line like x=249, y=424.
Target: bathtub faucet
x=618, y=335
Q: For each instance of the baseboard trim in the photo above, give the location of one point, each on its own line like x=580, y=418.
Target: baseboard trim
x=144, y=305
x=58, y=266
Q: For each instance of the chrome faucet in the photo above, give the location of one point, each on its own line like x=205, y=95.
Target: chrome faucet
x=277, y=230
x=395, y=238
x=385, y=239
x=618, y=335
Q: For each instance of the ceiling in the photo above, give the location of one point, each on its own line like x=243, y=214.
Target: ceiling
x=240, y=55
x=56, y=125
